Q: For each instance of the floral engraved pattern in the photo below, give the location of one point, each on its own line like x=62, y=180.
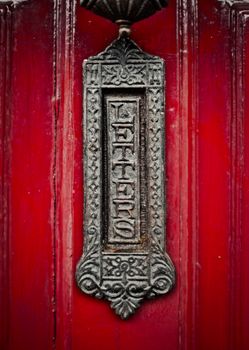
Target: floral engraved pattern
x=124, y=51
x=125, y=267
x=124, y=166
x=126, y=297
x=124, y=74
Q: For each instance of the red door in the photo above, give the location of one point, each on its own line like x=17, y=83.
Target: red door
x=206, y=48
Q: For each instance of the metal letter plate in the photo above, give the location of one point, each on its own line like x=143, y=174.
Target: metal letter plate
x=124, y=224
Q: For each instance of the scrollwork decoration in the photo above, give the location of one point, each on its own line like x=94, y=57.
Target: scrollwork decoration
x=124, y=231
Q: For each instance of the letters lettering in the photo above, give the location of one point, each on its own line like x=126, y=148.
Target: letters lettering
x=123, y=124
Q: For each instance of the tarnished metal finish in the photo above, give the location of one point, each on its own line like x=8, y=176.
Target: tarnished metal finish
x=128, y=10
x=124, y=259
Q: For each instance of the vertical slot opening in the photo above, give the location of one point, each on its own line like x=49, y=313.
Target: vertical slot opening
x=124, y=170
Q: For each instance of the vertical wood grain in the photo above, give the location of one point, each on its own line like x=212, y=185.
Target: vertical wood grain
x=244, y=262
x=239, y=21
x=5, y=130
x=214, y=176
x=30, y=225
x=188, y=41
x=64, y=28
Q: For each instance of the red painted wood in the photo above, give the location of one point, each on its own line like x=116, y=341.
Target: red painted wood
x=29, y=198
x=5, y=22
x=205, y=46
x=214, y=177
x=243, y=319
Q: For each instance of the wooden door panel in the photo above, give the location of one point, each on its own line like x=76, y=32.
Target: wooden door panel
x=27, y=202
x=205, y=46
x=214, y=177
x=243, y=256
x=92, y=318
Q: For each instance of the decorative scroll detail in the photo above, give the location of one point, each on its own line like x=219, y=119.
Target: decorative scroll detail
x=119, y=74
x=124, y=259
